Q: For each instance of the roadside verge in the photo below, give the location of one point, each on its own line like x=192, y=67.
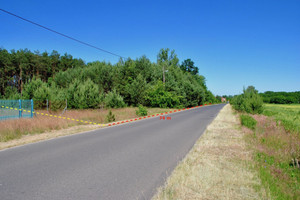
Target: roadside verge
x=219, y=166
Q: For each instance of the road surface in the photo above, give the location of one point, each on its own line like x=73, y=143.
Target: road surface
x=128, y=161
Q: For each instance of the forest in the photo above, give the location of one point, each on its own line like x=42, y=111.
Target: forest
x=281, y=97
x=166, y=83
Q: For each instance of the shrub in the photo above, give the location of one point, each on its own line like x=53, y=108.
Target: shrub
x=83, y=94
x=110, y=117
x=40, y=95
x=158, y=97
x=249, y=101
x=248, y=121
x=142, y=111
x=87, y=95
x=58, y=99
x=31, y=87
x=114, y=100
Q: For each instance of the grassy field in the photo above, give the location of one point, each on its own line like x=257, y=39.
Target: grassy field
x=287, y=115
x=14, y=129
x=276, y=143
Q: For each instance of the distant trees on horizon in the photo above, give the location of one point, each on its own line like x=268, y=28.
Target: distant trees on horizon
x=281, y=97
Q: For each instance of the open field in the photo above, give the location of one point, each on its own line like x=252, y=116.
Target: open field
x=219, y=166
x=288, y=115
x=276, y=145
x=14, y=129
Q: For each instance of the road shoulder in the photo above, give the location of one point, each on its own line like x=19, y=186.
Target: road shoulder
x=219, y=166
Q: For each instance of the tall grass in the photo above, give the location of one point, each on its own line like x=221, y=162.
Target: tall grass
x=248, y=121
x=287, y=115
x=13, y=129
x=276, y=141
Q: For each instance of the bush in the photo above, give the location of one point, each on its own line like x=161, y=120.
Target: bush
x=40, y=95
x=31, y=87
x=83, y=94
x=58, y=99
x=248, y=121
x=158, y=97
x=87, y=95
x=114, y=100
x=249, y=101
x=110, y=117
x=142, y=111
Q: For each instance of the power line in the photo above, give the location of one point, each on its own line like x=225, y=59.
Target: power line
x=61, y=34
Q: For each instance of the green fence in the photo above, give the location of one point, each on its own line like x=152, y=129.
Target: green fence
x=13, y=109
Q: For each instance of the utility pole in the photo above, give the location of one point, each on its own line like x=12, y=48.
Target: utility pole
x=164, y=78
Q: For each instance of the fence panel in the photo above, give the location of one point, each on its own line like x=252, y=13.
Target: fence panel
x=6, y=113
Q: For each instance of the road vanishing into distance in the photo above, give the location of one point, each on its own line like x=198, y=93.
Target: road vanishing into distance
x=128, y=161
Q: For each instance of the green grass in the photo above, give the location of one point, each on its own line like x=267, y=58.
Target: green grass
x=276, y=143
x=287, y=115
x=248, y=121
x=281, y=179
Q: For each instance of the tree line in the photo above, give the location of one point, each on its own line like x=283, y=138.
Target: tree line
x=281, y=97
x=42, y=76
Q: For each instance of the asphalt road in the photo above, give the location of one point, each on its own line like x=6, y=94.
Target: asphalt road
x=128, y=161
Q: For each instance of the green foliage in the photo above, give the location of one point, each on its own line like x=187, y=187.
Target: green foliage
x=249, y=101
x=41, y=95
x=87, y=95
x=32, y=86
x=142, y=111
x=136, y=91
x=188, y=66
x=158, y=97
x=58, y=78
x=248, y=121
x=279, y=189
x=114, y=100
x=110, y=117
x=12, y=93
x=288, y=115
x=281, y=97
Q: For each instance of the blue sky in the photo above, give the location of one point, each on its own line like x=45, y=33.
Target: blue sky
x=234, y=43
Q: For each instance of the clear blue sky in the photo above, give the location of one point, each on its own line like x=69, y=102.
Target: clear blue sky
x=234, y=43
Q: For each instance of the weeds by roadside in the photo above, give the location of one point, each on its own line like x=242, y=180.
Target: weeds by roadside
x=14, y=129
x=217, y=167
x=248, y=121
x=277, y=151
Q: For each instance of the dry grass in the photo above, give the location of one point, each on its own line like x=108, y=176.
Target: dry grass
x=16, y=129
x=217, y=167
x=277, y=152
x=26, y=139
